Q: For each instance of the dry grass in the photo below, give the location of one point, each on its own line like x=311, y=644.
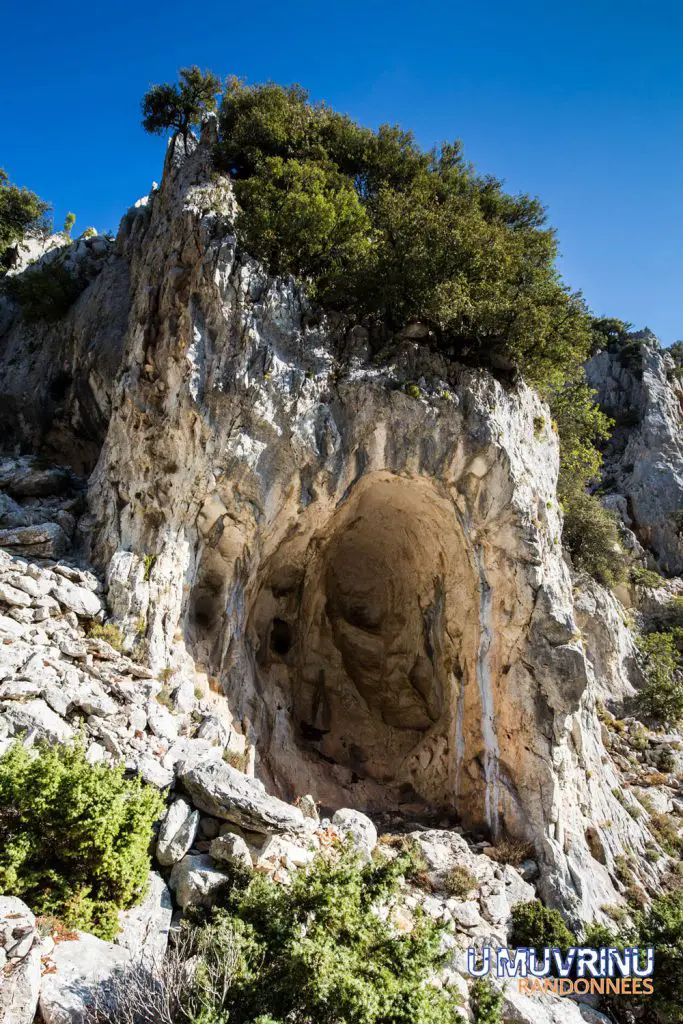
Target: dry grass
x=511, y=851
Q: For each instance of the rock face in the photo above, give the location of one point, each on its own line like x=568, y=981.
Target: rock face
x=362, y=558
x=20, y=967
x=644, y=461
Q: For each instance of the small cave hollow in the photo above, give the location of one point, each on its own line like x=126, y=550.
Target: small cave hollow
x=364, y=621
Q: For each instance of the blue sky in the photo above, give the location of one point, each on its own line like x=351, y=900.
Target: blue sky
x=580, y=104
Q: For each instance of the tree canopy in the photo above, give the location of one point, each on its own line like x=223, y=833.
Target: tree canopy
x=21, y=211
x=178, y=107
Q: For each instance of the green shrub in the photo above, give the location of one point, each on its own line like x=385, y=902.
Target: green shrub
x=69, y=222
x=21, y=211
x=316, y=951
x=645, y=577
x=460, y=882
x=666, y=760
x=438, y=242
x=74, y=837
x=590, y=533
x=45, y=291
x=535, y=926
x=662, y=694
x=485, y=1002
x=109, y=632
x=386, y=233
x=664, y=828
x=660, y=926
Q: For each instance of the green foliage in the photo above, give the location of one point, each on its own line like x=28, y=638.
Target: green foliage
x=662, y=694
x=45, y=291
x=109, y=632
x=74, y=837
x=535, y=926
x=645, y=577
x=179, y=107
x=69, y=222
x=486, y=1003
x=460, y=882
x=666, y=760
x=399, y=234
x=21, y=211
x=660, y=926
x=676, y=352
x=664, y=828
x=317, y=951
x=590, y=533
x=148, y=561
x=388, y=233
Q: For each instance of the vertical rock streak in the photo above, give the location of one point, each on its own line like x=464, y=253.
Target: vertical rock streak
x=488, y=718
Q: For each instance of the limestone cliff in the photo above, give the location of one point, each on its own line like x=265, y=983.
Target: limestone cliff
x=363, y=559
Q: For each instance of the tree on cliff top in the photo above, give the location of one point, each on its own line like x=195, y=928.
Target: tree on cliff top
x=179, y=107
x=20, y=212
x=386, y=233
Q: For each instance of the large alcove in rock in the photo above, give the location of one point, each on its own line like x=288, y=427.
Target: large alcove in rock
x=366, y=626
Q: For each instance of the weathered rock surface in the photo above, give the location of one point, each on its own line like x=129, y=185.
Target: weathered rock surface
x=644, y=461
x=226, y=793
x=145, y=928
x=194, y=881
x=356, y=826
x=343, y=576
x=20, y=966
x=177, y=832
x=78, y=968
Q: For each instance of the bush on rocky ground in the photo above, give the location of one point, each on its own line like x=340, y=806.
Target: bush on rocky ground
x=74, y=836
x=590, y=533
x=46, y=291
x=485, y=1002
x=662, y=695
x=659, y=926
x=535, y=926
x=319, y=950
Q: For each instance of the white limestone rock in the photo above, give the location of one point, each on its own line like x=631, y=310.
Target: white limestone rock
x=357, y=827
x=77, y=969
x=222, y=791
x=194, y=880
x=177, y=833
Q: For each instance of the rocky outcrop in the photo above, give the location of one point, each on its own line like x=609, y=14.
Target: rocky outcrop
x=55, y=391
x=355, y=561
x=644, y=460
x=369, y=571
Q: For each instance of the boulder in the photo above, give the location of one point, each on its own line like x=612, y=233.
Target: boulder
x=76, y=970
x=177, y=833
x=230, y=849
x=161, y=722
x=466, y=914
x=13, y=597
x=226, y=793
x=145, y=928
x=20, y=987
x=36, y=718
x=194, y=880
x=80, y=600
x=539, y=1008
x=279, y=852
x=46, y=540
x=356, y=826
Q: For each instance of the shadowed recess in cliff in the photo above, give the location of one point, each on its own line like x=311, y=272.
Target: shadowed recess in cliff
x=367, y=623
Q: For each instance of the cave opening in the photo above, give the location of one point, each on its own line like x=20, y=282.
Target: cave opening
x=366, y=623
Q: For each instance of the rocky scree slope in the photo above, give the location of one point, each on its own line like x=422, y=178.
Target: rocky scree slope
x=343, y=578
